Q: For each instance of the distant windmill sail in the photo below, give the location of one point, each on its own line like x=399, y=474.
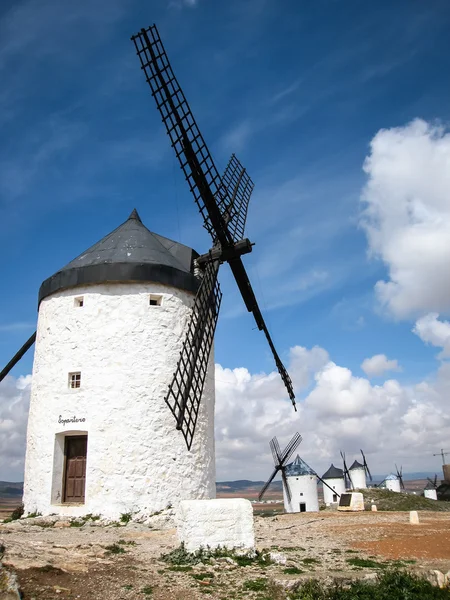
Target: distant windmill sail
x=347, y=476
x=366, y=467
x=280, y=460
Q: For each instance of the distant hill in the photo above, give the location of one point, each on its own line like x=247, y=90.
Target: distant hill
x=245, y=484
x=10, y=489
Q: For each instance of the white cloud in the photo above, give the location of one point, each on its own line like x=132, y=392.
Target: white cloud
x=14, y=403
x=336, y=410
x=435, y=332
x=379, y=364
x=407, y=216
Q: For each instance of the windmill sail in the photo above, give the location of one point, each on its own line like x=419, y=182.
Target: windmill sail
x=15, y=359
x=185, y=391
x=223, y=202
x=187, y=141
x=239, y=187
x=280, y=460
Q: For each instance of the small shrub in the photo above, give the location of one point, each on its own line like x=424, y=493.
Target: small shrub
x=125, y=543
x=125, y=517
x=16, y=513
x=115, y=549
x=127, y=586
x=148, y=590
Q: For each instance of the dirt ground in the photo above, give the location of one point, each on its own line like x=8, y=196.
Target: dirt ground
x=74, y=562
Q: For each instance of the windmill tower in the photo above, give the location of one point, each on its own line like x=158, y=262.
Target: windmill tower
x=335, y=485
x=123, y=370
x=302, y=483
x=430, y=489
x=394, y=483
x=358, y=474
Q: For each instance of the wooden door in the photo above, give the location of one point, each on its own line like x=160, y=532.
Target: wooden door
x=75, y=471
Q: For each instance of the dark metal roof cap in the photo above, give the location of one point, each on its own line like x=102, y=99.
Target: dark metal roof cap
x=333, y=473
x=129, y=253
x=356, y=465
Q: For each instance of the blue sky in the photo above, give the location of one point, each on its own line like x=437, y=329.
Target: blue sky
x=297, y=89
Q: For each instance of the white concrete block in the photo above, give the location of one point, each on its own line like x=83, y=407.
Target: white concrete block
x=225, y=522
x=374, y=508
x=352, y=504
x=413, y=517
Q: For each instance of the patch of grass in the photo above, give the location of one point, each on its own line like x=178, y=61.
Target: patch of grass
x=127, y=586
x=255, y=585
x=386, y=500
x=33, y=515
x=125, y=543
x=77, y=523
x=292, y=571
x=392, y=585
x=115, y=549
x=202, y=576
x=310, y=561
x=351, y=551
x=181, y=557
x=147, y=590
x=125, y=517
x=366, y=563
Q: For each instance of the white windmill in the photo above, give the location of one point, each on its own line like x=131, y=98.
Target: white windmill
x=124, y=344
x=335, y=485
x=430, y=490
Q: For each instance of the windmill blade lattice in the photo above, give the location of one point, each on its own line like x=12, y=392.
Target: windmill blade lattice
x=182, y=129
x=239, y=188
x=186, y=388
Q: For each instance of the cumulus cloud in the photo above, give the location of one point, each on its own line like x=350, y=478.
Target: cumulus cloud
x=14, y=404
x=336, y=410
x=407, y=216
x=433, y=331
x=379, y=364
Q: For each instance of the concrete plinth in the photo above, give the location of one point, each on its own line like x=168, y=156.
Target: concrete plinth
x=413, y=517
x=226, y=523
x=351, y=502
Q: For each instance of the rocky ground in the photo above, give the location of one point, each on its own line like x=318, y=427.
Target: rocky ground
x=124, y=561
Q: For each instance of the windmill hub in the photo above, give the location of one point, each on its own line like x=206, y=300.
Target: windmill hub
x=226, y=254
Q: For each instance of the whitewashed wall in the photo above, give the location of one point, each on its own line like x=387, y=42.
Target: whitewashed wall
x=430, y=494
x=393, y=485
x=303, y=489
x=126, y=351
x=358, y=477
x=338, y=486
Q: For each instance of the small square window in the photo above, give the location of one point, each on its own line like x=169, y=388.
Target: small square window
x=78, y=302
x=74, y=380
x=155, y=300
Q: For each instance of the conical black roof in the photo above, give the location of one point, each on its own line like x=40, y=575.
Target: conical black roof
x=129, y=253
x=333, y=473
x=356, y=465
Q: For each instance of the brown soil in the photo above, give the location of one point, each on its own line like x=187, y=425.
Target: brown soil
x=74, y=563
